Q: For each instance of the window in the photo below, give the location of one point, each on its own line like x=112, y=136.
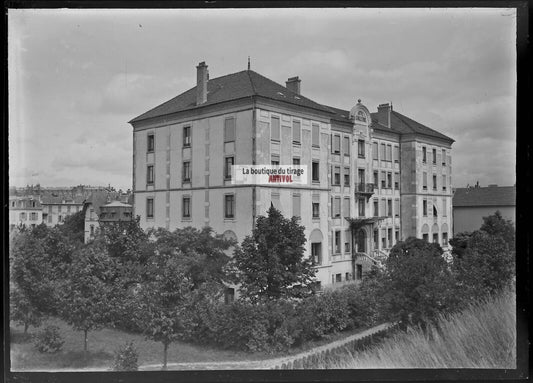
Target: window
x=347, y=177
x=435, y=214
x=336, y=207
x=376, y=239
x=361, y=148
x=347, y=242
x=389, y=153
x=397, y=181
x=346, y=146
x=425, y=208
x=376, y=179
x=376, y=208
x=315, y=132
x=444, y=207
x=91, y=228
x=383, y=180
x=348, y=275
x=384, y=239
x=229, y=129
x=296, y=132
x=444, y=183
x=389, y=236
x=229, y=295
x=337, y=176
x=396, y=236
x=296, y=161
x=435, y=237
x=338, y=277
x=444, y=239
x=396, y=207
x=389, y=180
x=315, y=171
x=382, y=154
x=316, y=210
x=361, y=207
x=337, y=242
x=274, y=128
x=296, y=207
x=424, y=154
x=33, y=217
x=229, y=206
x=375, y=150
x=149, y=208
x=150, y=174
x=396, y=154
x=13, y=203
x=425, y=237
x=150, y=143
x=316, y=253
x=383, y=207
x=186, y=136
x=346, y=207
x=389, y=208
x=443, y=157
x=187, y=171
x=336, y=144
x=227, y=167
x=186, y=211
x=434, y=152
x=434, y=182
x=424, y=181
x=274, y=160
x=361, y=175
x=22, y=216
x=60, y=218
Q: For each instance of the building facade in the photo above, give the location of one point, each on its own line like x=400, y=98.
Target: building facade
x=471, y=204
x=389, y=174
x=102, y=207
x=56, y=208
x=25, y=210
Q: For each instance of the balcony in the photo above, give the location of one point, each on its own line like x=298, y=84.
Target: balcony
x=364, y=189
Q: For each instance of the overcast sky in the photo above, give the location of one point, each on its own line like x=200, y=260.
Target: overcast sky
x=77, y=76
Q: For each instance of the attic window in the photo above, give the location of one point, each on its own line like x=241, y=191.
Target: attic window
x=296, y=97
x=281, y=94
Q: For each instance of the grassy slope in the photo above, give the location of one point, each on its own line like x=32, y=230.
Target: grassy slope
x=482, y=336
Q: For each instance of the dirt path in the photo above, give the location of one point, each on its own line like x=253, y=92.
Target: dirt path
x=266, y=363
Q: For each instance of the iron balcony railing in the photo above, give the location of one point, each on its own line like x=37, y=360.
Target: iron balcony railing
x=364, y=188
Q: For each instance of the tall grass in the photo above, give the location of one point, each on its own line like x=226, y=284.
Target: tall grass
x=481, y=336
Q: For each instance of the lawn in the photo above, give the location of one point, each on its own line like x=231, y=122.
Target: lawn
x=102, y=344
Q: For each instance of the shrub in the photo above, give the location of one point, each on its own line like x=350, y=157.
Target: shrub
x=48, y=340
x=126, y=358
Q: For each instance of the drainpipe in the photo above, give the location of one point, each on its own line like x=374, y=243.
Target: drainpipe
x=254, y=133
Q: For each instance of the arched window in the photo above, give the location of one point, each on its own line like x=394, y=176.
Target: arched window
x=361, y=241
x=425, y=232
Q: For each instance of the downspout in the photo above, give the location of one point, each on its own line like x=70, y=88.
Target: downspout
x=254, y=133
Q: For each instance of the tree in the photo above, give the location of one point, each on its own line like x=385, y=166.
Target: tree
x=89, y=298
x=496, y=225
x=162, y=300
x=125, y=240
x=270, y=262
x=74, y=227
x=201, y=252
x=33, y=289
x=416, y=282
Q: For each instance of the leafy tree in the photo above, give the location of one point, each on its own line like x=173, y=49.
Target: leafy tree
x=416, y=282
x=125, y=240
x=270, y=262
x=486, y=266
x=201, y=252
x=89, y=298
x=73, y=227
x=459, y=243
x=496, y=225
x=33, y=291
x=162, y=300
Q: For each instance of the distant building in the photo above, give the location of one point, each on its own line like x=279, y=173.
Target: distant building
x=25, y=211
x=471, y=204
x=383, y=169
x=103, y=207
x=56, y=208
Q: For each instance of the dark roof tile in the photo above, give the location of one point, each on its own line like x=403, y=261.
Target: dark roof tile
x=485, y=196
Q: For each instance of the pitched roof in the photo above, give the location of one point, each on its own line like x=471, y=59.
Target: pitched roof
x=405, y=125
x=485, y=196
x=59, y=200
x=116, y=204
x=233, y=86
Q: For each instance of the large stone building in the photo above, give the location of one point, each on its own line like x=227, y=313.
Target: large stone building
x=384, y=170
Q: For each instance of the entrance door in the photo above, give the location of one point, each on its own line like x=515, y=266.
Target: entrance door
x=361, y=241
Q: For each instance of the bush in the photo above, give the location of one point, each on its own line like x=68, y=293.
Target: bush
x=126, y=358
x=48, y=340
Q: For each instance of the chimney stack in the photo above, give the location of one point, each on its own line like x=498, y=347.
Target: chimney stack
x=384, y=114
x=201, y=83
x=293, y=84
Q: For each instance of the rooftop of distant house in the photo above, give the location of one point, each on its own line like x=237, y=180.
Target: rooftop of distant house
x=492, y=195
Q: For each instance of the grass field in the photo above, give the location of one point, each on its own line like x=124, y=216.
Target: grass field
x=482, y=336
x=102, y=344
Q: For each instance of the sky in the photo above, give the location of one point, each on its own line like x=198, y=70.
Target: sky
x=76, y=77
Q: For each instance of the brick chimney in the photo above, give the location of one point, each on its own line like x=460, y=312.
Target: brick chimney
x=384, y=114
x=201, y=83
x=293, y=84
